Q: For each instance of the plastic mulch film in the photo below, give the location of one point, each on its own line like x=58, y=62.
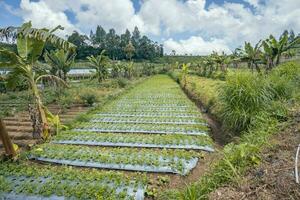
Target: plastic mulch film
x=139, y=145
x=187, y=165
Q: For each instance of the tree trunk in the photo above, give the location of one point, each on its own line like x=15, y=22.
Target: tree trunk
x=36, y=121
x=38, y=116
x=65, y=77
x=257, y=68
x=8, y=145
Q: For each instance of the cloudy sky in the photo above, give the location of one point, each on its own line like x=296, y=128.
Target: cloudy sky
x=187, y=26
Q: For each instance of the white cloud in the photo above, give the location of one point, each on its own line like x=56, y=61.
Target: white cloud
x=230, y=23
x=42, y=16
x=254, y=3
x=196, y=45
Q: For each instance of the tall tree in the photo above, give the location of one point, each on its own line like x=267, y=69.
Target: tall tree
x=99, y=38
x=129, y=50
x=135, y=39
x=77, y=39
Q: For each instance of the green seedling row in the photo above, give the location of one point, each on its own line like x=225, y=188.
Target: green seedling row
x=175, y=159
x=135, y=138
x=49, y=182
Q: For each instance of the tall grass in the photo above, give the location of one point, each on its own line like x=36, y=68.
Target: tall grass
x=244, y=97
x=285, y=80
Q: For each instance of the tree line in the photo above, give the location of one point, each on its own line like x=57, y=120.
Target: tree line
x=126, y=46
x=118, y=47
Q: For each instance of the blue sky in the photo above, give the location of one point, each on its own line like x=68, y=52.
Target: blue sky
x=187, y=26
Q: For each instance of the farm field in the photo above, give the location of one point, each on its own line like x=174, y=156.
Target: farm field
x=149, y=100
x=152, y=128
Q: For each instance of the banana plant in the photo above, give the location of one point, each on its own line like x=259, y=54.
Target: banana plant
x=60, y=62
x=184, y=72
x=30, y=45
x=54, y=120
x=251, y=55
x=99, y=63
x=278, y=47
x=128, y=70
x=116, y=69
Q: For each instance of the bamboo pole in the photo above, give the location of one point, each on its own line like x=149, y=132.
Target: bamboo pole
x=8, y=145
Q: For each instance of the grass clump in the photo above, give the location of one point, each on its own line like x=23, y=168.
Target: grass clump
x=244, y=97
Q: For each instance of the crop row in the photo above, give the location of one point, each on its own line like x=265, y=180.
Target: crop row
x=175, y=161
x=147, y=119
x=156, y=115
x=150, y=127
x=148, y=109
x=135, y=140
x=18, y=181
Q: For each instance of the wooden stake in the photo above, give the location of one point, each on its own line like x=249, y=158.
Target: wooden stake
x=8, y=145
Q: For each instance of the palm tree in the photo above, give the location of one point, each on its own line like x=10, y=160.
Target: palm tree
x=99, y=63
x=251, y=55
x=30, y=45
x=60, y=62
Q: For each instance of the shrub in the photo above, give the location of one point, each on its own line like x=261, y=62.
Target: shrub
x=122, y=82
x=243, y=97
x=88, y=98
x=285, y=80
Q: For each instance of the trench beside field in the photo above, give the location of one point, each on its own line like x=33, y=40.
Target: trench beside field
x=154, y=128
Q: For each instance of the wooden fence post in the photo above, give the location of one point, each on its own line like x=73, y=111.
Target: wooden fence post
x=8, y=145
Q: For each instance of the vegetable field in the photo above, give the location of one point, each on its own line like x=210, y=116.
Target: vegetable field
x=152, y=128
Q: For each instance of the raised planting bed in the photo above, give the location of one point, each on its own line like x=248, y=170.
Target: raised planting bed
x=148, y=120
x=170, y=110
x=145, y=160
x=143, y=114
x=24, y=181
x=136, y=140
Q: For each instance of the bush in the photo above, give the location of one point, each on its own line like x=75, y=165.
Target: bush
x=122, y=82
x=88, y=98
x=244, y=96
x=285, y=80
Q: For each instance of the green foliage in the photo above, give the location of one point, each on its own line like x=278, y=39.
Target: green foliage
x=243, y=97
x=88, y=98
x=285, y=79
x=99, y=63
x=122, y=82
x=60, y=62
x=67, y=182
